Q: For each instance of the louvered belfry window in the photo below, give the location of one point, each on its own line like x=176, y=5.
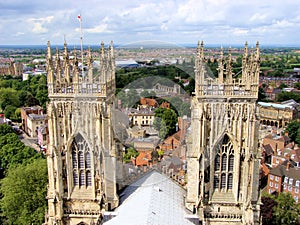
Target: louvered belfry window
x=81, y=162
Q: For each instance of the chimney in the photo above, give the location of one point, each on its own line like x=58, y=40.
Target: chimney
x=288, y=165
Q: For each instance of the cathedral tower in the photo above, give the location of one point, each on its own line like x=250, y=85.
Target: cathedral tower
x=223, y=154
x=81, y=154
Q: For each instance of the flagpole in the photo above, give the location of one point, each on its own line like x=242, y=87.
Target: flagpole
x=81, y=44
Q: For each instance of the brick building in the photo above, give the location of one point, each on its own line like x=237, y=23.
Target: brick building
x=285, y=178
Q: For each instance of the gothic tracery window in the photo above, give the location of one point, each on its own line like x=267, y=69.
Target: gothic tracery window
x=224, y=165
x=81, y=162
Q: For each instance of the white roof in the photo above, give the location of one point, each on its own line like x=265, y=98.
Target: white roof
x=153, y=199
x=276, y=105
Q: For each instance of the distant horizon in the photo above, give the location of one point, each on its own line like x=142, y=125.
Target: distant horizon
x=147, y=46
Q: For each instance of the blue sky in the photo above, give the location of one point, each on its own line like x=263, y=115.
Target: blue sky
x=184, y=21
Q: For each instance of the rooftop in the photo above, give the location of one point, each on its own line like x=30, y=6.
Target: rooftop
x=153, y=199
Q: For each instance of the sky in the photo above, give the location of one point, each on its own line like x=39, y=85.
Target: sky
x=221, y=22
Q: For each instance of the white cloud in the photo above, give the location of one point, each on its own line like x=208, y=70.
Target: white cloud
x=240, y=32
x=38, y=24
x=38, y=28
x=101, y=28
x=19, y=34
x=258, y=17
x=183, y=21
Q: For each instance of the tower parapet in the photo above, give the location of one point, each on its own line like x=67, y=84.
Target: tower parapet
x=226, y=84
x=65, y=77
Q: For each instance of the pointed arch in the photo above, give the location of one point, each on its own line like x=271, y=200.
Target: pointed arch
x=81, y=161
x=224, y=164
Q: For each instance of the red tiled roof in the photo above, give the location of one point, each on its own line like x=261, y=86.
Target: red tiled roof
x=143, y=158
x=149, y=102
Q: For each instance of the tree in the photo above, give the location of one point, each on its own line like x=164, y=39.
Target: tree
x=12, y=150
x=267, y=209
x=292, y=129
x=130, y=153
x=9, y=112
x=145, y=94
x=165, y=121
x=261, y=94
x=8, y=97
x=24, y=192
x=282, y=85
x=284, y=96
x=297, y=85
x=286, y=211
x=185, y=109
x=5, y=129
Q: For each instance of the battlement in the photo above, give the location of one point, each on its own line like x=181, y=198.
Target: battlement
x=67, y=77
x=226, y=84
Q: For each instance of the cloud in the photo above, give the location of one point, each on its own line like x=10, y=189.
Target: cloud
x=101, y=28
x=38, y=24
x=183, y=21
x=19, y=34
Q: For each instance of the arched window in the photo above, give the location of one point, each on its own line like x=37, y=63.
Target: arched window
x=82, y=179
x=231, y=162
x=224, y=165
x=230, y=179
x=87, y=160
x=217, y=162
x=216, y=182
x=224, y=162
x=75, y=178
x=81, y=162
x=88, y=178
x=223, y=181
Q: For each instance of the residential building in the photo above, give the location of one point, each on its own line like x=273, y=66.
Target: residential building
x=285, y=178
x=32, y=118
x=43, y=136
x=276, y=141
x=141, y=116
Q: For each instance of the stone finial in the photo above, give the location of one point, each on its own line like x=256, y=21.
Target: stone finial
x=221, y=67
x=102, y=48
x=49, y=50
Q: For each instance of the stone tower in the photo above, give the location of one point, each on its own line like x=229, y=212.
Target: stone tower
x=223, y=156
x=81, y=154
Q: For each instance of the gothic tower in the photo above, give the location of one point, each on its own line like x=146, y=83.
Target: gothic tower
x=223, y=154
x=81, y=154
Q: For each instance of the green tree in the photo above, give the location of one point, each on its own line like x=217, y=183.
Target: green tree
x=8, y=97
x=284, y=96
x=165, y=121
x=9, y=112
x=145, y=94
x=292, y=129
x=261, y=94
x=129, y=153
x=282, y=85
x=297, y=85
x=185, y=109
x=287, y=211
x=12, y=150
x=24, y=193
x=5, y=129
